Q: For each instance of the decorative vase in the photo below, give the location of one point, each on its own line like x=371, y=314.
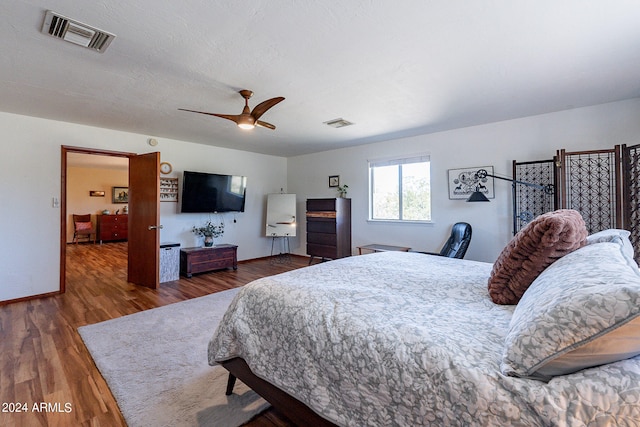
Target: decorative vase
x=208, y=241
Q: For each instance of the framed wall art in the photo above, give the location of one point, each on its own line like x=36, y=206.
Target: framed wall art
x=120, y=194
x=334, y=181
x=168, y=189
x=463, y=182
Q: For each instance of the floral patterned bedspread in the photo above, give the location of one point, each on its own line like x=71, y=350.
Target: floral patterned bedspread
x=406, y=339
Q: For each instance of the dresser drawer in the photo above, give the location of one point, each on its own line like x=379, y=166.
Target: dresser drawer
x=319, y=225
x=323, y=251
x=321, y=204
x=322, y=238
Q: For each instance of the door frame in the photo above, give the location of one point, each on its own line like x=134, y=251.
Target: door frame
x=65, y=149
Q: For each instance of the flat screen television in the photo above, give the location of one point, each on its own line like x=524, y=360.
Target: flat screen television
x=209, y=192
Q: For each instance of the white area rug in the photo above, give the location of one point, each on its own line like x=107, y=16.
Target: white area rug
x=155, y=363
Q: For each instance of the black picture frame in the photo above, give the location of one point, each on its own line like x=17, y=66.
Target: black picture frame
x=120, y=194
x=334, y=181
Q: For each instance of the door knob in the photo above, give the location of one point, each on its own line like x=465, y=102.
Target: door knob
x=155, y=227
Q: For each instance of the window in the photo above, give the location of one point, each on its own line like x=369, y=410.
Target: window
x=400, y=189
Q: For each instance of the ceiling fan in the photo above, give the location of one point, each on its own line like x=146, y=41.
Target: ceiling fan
x=247, y=119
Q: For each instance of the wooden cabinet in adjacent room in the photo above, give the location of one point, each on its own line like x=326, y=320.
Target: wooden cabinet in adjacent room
x=329, y=228
x=113, y=227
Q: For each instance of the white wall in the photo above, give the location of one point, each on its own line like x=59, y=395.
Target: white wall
x=31, y=176
x=497, y=144
x=30, y=235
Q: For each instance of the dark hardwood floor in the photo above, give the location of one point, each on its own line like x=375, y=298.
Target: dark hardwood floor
x=43, y=359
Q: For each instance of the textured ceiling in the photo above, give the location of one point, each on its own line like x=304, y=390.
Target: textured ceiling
x=393, y=68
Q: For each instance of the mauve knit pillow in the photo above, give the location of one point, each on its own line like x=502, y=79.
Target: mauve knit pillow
x=535, y=247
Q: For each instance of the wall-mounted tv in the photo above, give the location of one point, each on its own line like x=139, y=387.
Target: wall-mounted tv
x=209, y=192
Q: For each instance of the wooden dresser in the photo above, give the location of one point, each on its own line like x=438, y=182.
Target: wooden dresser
x=112, y=227
x=328, y=228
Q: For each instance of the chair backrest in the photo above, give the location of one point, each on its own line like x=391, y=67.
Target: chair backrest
x=457, y=244
x=81, y=218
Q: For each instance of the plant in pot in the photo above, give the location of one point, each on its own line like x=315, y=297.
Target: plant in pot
x=342, y=190
x=209, y=231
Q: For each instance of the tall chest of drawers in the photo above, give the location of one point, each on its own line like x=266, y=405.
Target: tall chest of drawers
x=329, y=228
x=113, y=227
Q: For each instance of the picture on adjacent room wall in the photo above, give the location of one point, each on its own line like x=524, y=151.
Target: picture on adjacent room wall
x=120, y=194
x=96, y=193
x=334, y=181
x=463, y=182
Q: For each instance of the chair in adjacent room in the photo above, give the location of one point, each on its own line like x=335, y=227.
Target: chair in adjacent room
x=83, y=228
x=458, y=242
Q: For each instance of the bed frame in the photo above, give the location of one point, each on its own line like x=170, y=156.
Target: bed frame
x=289, y=406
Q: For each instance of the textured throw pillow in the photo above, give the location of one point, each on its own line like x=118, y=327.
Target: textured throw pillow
x=582, y=311
x=83, y=226
x=536, y=246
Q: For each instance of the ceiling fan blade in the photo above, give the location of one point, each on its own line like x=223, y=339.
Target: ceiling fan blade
x=265, y=124
x=232, y=117
x=262, y=108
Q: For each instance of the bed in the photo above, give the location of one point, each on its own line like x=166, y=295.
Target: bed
x=405, y=339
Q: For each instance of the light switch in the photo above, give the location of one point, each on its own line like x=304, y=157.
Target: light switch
x=55, y=202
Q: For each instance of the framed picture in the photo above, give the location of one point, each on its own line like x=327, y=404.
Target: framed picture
x=168, y=189
x=120, y=194
x=463, y=182
x=96, y=193
x=334, y=181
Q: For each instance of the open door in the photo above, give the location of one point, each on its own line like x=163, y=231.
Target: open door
x=144, y=220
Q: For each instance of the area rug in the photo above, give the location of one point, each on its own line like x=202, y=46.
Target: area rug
x=155, y=363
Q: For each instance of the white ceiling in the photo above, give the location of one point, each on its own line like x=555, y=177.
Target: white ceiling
x=394, y=68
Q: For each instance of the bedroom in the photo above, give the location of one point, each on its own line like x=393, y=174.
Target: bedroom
x=31, y=167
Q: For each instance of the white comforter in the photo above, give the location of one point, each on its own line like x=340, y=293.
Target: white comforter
x=406, y=339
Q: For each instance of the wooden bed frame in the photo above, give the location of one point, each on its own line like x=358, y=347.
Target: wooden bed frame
x=289, y=406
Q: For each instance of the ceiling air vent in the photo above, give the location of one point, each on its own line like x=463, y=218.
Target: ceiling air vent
x=64, y=28
x=338, y=123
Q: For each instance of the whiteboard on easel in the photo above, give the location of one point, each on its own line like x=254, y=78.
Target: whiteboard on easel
x=281, y=215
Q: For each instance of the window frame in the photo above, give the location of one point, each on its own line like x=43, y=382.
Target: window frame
x=398, y=161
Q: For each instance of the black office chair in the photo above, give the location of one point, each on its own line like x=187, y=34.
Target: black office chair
x=458, y=243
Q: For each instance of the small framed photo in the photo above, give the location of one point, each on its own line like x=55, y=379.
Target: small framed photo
x=334, y=181
x=120, y=194
x=93, y=193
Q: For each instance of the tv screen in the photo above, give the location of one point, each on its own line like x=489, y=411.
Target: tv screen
x=208, y=192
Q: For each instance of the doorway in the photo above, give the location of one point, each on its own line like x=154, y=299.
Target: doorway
x=94, y=157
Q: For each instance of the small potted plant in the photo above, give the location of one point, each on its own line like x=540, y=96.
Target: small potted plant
x=209, y=231
x=342, y=190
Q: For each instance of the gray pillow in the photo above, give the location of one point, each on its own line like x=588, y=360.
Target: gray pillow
x=582, y=311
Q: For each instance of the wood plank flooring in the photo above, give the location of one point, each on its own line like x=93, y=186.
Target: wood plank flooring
x=43, y=360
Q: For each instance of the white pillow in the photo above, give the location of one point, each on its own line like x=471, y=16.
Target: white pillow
x=616, y=236
x=582, y=311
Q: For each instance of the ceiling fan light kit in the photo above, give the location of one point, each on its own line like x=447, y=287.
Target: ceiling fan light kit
x=247, y=119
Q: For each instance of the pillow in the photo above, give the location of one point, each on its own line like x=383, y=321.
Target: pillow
x=615, y=235
x=536, y=246
x=83, y=226
x=582, y=311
